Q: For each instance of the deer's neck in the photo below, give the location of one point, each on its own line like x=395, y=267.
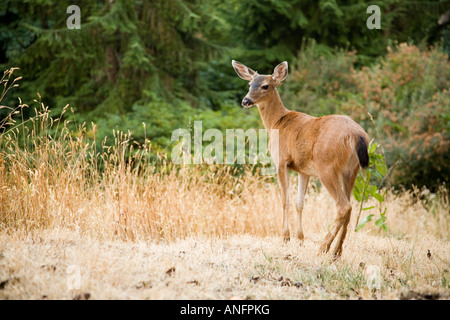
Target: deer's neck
x=271, y=110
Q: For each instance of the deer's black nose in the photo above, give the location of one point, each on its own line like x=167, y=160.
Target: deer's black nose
x=246, y=102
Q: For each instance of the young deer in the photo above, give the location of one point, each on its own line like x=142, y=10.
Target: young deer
x=331, y=147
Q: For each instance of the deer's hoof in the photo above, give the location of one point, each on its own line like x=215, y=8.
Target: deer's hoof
x=286, y=236
x=336, y=256
x=324, y=248
x=337, y=253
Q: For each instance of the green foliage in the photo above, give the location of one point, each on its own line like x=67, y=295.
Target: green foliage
x=123, y=49
x=154, y=66
x=272, y=31
x=319, y=78
x=403, y=100
x=366, y=187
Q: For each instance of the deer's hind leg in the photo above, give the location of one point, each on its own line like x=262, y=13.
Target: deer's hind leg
x=330, y=180
x=348, y=181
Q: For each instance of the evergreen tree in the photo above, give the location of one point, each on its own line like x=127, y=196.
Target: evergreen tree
x=125, y=51
x=271, y=31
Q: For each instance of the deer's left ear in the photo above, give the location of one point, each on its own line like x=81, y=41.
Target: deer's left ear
x=280, y=72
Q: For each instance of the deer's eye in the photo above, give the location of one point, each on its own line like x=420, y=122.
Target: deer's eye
x=265, y=87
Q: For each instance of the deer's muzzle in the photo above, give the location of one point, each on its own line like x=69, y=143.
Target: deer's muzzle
x=247, y=103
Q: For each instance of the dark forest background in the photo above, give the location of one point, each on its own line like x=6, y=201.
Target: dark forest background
x=154, y=66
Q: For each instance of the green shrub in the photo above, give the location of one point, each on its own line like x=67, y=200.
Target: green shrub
x=406, y=92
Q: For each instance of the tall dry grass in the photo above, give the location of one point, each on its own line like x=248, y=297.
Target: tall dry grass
x=54, y=177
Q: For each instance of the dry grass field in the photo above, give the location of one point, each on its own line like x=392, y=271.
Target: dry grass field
x=45, y=266
x=82, y=223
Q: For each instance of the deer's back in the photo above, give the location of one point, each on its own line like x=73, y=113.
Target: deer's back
x=306, y=140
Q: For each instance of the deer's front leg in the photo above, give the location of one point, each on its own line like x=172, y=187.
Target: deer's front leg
x=284, y=185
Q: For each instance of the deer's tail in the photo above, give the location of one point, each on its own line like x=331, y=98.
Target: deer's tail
x=361, y=151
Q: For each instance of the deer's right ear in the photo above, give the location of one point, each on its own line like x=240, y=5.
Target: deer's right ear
x=242, y=71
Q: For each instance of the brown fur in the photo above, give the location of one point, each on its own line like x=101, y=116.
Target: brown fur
x=325, y=147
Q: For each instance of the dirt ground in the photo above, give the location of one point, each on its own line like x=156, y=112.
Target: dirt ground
x=63, y=264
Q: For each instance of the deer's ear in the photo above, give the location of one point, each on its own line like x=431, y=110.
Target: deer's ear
x=280, y=72
x=242, y=71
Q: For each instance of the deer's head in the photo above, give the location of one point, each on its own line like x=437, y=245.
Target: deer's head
x=260, y=86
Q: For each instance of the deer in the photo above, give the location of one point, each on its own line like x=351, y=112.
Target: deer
x=332, y=148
